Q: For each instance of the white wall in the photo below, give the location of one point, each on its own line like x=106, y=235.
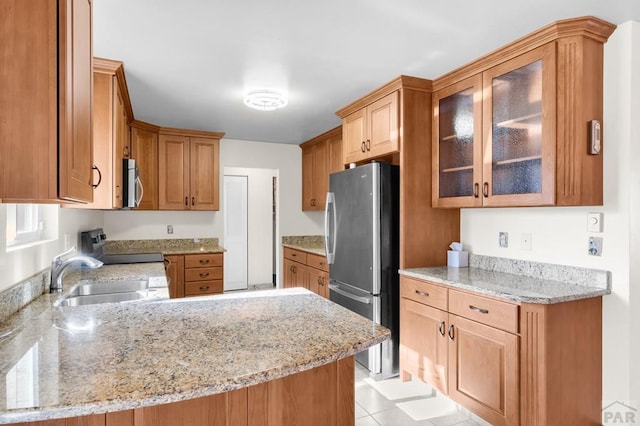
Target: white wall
x=560, y=235
x=18, y=265
x=285, y=158
x=259, y=221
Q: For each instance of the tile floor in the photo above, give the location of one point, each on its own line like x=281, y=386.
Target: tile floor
x=394, y=403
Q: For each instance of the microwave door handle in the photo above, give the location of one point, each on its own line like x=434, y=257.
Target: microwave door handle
x=141, y=190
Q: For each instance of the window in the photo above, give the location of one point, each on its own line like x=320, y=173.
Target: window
x=30, y=223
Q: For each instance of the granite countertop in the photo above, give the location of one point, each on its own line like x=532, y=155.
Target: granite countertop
x=167, y=247
x=566, y=283
x=313, y=244
x=110, y=357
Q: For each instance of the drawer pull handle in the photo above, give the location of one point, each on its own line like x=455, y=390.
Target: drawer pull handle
x=422, y=293
x=480, y=310
x=204, y=261
x=441, y=328
x=451, y=332
x=204, y=274
x=476, y=190
x=485, y=189
x=363, y=147
x=204, y=288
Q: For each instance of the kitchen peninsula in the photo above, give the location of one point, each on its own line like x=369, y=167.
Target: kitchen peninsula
x=270, y=357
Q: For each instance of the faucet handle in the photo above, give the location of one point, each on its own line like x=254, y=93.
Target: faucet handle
x=58, y=258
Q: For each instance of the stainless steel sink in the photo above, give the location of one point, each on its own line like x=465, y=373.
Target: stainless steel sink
x=95, y=292
x=101, y=298
x=108, y=287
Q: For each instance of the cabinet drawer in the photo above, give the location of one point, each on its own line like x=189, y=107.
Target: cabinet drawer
x=424, y=292
x=318, y=262
x=203, y=287
x=502, y=315
x=202, y=260
x=203, y=274
x=297, y=255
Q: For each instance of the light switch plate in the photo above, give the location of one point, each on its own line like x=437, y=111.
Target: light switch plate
x=594, y=222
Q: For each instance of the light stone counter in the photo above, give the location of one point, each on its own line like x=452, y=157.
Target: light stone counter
x=166, y=247
x=313, y=244
x=519, y=281
x=66, y=362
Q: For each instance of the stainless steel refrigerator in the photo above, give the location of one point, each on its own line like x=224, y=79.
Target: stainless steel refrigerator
x=361, y=237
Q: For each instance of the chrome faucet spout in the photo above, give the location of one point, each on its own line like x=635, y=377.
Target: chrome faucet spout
x=59, y=265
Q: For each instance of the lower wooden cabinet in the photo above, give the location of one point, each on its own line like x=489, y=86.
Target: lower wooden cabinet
x=195, y=274
x=322, y=396
x=510, y=364
x=302, y=269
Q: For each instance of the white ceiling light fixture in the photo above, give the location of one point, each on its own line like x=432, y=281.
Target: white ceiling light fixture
x=265, y=100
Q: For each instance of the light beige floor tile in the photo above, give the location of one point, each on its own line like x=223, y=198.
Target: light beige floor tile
x=360, y=412
x=366, y=421
x=397, y=417
x=371, y=400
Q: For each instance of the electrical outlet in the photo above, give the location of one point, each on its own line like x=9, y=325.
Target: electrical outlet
x=169, y=229
x=595, y=246
x=525, y=241
x=503, y=239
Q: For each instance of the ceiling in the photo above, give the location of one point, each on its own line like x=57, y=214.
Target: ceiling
x=189, y=63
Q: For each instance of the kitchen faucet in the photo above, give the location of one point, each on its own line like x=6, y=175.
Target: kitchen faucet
x=60, y=265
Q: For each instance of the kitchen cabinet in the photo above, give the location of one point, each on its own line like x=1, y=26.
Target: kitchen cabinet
x=527, y=364
x=195, y=274
x=46, y=101
x=321, y=156
x=476, y=364
x=188, y=165
x=322, y=396
x=144, y=149
x=308, y=270
x=398, y=114
x=111, y=136
x=511, y=129
x=372, y=131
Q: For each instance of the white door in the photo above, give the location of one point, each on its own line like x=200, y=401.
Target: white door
x=235, y=232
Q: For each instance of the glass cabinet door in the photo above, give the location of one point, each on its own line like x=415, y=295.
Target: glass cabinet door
x=519, y=119
x=457, y=144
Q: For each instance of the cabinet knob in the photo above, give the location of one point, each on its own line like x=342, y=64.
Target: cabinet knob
x=476, y=190
x=363, y=147
x=485, y=189
x=441, y=328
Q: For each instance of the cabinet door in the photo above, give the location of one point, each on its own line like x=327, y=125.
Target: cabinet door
x=317, y=281
x=175, y=274
x=483, y=370
x=75, y=159
x=173, y=173
x=423, y=345
x=121, y=141
x=353, y=137
x=204, y=174
x=383, y=126
x=320, y=175
x=307, y=178
x=295, y=274
x=334, y=155
x=519, y=113
x=457, y=144
x=144, y=149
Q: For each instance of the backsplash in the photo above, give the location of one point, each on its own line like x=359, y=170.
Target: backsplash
x=547, y=271
x=141, y=246
x=21, y=294
x=311, y=241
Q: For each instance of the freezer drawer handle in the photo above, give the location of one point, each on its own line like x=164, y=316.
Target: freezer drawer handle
x=482, y=311
x=422, y=293
x=349, y=295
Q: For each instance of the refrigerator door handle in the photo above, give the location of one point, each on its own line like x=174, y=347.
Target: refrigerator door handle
x=335, y=288
x=330, y=227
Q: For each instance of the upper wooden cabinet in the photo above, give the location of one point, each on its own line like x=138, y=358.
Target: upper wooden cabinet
x=512, y=128
x=111, y=137
x=371, y=131
x=144, y=149
x=321, y=156
x=188, y=165
x=46, y=101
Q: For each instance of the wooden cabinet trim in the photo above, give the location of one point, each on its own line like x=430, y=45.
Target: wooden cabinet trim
x=169, y=131
x=425, y=293
x=491, y=312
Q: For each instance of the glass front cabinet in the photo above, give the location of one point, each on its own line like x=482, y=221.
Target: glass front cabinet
x=522, y=125
x=494, y=135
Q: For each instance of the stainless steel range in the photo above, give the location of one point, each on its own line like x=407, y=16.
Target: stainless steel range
x=92, y=244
